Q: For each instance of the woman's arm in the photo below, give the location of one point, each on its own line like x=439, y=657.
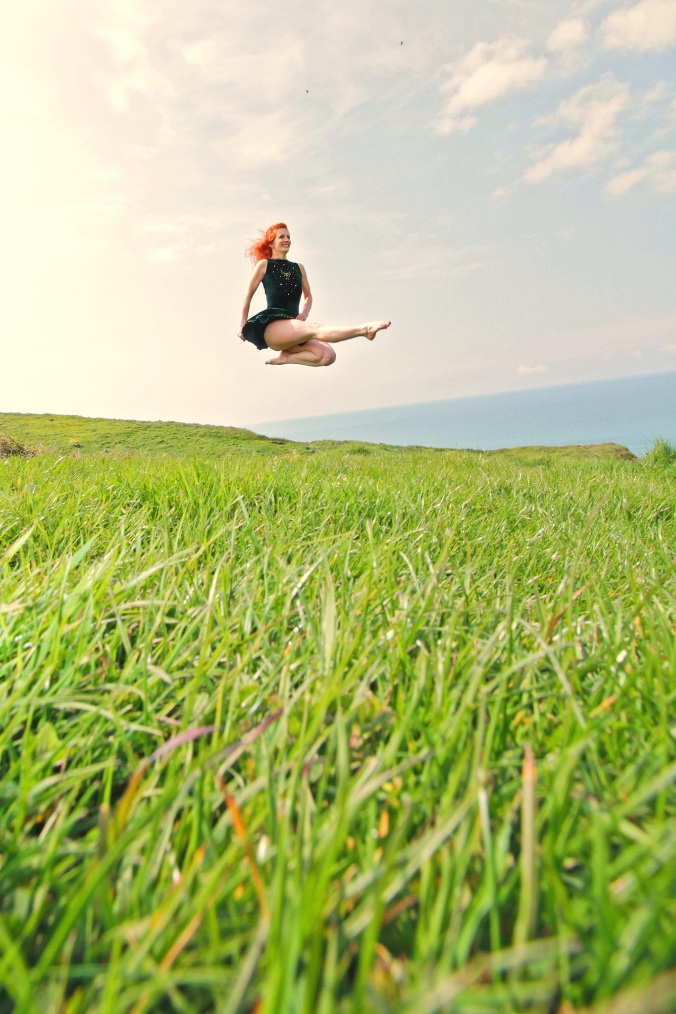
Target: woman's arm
x=256, y=279
x=304, y=313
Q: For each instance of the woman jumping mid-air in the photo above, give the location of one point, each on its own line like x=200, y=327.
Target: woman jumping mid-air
x=282, y=327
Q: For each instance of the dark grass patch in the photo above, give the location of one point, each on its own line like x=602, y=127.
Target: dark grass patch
x=12, y=448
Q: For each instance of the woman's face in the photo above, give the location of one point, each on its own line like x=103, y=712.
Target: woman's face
x=281, y=243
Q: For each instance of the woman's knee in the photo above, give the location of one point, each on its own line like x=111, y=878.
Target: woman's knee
x=328, y=356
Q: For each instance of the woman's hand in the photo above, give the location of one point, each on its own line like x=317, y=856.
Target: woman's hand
x=302, y=316
x=240, y=333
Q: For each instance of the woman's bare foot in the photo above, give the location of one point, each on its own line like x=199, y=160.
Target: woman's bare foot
x=281, y=360
x=372, y=329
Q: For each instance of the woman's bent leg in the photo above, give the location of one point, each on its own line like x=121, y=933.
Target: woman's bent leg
x=283, y=334
x=312, y=353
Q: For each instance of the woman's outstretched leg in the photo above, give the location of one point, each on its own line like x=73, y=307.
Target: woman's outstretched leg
x=328, y=333
x=283, y=334
x=312, y=353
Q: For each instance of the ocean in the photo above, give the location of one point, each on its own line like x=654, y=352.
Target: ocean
x=632, y=411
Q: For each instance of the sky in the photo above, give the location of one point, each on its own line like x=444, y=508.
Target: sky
x=497, y=177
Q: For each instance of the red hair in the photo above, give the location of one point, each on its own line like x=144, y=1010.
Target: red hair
x=262, y=249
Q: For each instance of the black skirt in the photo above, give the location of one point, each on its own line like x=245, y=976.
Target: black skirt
x=254, y=329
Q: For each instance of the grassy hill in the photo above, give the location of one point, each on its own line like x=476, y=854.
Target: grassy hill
x=79, y=435
x=63, y=434
x=334, y=728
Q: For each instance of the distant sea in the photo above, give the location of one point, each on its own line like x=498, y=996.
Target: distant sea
x=632, y=411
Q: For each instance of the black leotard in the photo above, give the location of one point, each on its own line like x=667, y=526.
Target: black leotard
x=283, y=284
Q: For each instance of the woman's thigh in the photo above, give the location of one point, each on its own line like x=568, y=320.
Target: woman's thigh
x=282, y=334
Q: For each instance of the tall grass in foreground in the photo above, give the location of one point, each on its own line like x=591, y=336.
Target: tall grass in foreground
x=344, y=732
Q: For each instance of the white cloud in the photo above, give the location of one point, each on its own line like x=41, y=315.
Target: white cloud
x=658, y=93
x=432, y=262
x=200, y=53
x=659, y=169
x=170, y=238
x=126, y=46
x=276, y=66
x=567, y=35
x=489, y=71
x=619, y=337
x=644, y=26
x=264, y=140
x=528, y=371
x=593, y=111
x=133, y=70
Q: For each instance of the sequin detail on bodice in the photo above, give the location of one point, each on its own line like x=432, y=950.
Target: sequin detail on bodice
x=283, y=284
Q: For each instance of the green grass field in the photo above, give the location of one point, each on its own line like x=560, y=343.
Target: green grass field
x=334, y=728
